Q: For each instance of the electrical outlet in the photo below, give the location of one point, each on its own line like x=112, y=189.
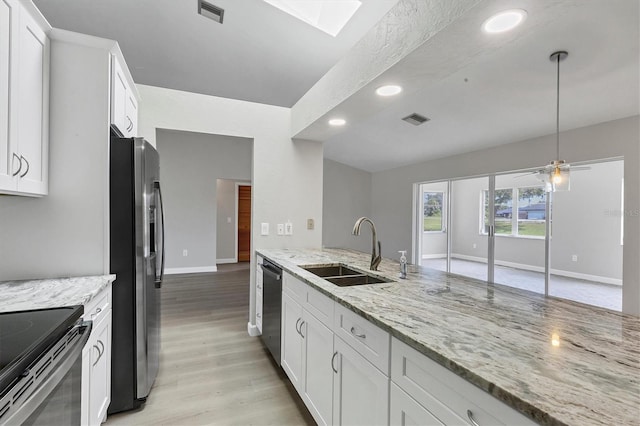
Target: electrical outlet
x=281, y=229
x=228, y=220
x=475, y=245
x=310, y=224
x=264, y=228
x=574, y=258
x=288, y=228
x=185, y=253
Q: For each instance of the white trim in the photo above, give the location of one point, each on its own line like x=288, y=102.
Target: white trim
x=253, y=330
x=190, y=270
x=562, y=273
x=221, y=261
x=434, y=256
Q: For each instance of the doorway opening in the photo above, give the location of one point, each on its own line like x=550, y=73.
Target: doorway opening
x=243, y=234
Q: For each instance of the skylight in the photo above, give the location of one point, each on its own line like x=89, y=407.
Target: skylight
x=329, y=16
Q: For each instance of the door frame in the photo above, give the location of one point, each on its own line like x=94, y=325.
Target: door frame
x=238, y=184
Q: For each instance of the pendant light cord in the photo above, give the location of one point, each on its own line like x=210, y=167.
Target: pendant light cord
x=558, y=110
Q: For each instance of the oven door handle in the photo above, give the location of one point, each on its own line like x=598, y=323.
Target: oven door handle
x=31, y=404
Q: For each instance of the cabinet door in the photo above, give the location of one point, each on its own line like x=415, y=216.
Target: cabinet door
x=131, y=114
x=33, y=106
x=119, y=97
x=360, y=390
x=8, y=66
x=291, y=340
x=405, y=411
x=100, y=387
x=318, y=374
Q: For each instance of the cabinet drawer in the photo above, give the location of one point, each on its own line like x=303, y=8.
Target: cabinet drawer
x=369, y=340
x=98, y=307
x=320, y=306
x=446, y=395
x=296, y=288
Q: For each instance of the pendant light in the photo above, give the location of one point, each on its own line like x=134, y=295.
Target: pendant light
x=558, y=170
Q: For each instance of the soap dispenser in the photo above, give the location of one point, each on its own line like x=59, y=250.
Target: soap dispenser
x=403, y=264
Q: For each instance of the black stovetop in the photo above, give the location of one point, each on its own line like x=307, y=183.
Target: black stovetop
x=25, y=335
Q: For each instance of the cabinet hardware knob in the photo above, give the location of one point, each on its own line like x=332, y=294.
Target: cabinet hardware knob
x=19, y=168
x=335, y=370
x=471, y=419
x=26, y=171
x=362, y=336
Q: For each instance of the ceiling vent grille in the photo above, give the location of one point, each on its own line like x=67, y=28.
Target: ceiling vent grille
x=416, y=119
x=210, y=11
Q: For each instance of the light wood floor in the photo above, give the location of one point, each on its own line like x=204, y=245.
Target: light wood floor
x=211, y=371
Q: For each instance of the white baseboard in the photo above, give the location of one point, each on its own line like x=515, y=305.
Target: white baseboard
x=221, y=261
x=191, y=270
x=434, y=256
x=562, y=273
x=252, y=329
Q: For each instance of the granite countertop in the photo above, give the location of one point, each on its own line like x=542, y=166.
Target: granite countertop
x=499, y=338
x=50, y=293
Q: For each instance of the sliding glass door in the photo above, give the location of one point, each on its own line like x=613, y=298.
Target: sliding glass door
x=508, y=230
x=469, y=239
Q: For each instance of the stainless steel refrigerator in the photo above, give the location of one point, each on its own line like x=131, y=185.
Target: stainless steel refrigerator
x=137, y=259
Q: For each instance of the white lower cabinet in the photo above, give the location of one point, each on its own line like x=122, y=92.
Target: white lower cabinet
x=317, y=355
x=96, y=361
x=405, y=411
x=444, y=395
x=291, y=340
x=360, y=390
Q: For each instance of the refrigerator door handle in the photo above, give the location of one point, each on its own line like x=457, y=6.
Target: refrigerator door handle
x=160, y=229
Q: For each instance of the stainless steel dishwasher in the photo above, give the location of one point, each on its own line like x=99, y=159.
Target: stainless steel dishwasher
x=271, y=307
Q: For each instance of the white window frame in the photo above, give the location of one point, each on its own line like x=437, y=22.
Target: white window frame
x=515, y=201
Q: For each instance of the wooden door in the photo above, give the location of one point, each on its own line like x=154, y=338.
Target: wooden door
x=244, y=223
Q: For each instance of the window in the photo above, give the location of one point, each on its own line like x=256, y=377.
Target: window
x=518, y=211
x=433, y=205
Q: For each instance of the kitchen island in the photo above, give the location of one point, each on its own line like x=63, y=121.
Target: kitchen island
x=555, y=361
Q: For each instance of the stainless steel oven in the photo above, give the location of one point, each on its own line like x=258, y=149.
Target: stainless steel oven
x=41, y=377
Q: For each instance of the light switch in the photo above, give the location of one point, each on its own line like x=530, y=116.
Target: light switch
x=228, y=220
x=310, y=224
x=264, y=228
x=288, y=228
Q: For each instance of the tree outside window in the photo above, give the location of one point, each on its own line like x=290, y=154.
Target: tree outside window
x=518, y=211
x=433, y=203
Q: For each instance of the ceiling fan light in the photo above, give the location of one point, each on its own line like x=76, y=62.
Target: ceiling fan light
x=560, y=180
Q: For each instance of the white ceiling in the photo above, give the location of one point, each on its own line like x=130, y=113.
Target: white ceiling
x=482, y=90
x=258, y=54
x=479, y=90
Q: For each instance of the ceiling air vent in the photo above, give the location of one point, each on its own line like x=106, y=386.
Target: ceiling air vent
x=210, y=11
x=415, y=119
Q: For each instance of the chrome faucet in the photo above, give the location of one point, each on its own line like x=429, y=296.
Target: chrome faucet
x=376, y=258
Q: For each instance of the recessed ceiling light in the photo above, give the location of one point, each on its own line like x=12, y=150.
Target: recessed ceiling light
x=337, y=122
x=389, y=90
x=504, y=21
x=329, y=16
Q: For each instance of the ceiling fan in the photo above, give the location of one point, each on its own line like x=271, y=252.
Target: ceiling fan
x=556, y=175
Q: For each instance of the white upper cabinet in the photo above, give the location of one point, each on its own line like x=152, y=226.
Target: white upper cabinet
x=124, y=102
x=24, y=100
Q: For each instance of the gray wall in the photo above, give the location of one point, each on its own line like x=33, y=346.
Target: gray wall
x=346, y=197
x=190, y=164
x=394, y=188
x=65, y=232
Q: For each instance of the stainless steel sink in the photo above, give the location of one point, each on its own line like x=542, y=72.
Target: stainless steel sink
x=342, y=275
x=350, y=280
x=331, y=270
